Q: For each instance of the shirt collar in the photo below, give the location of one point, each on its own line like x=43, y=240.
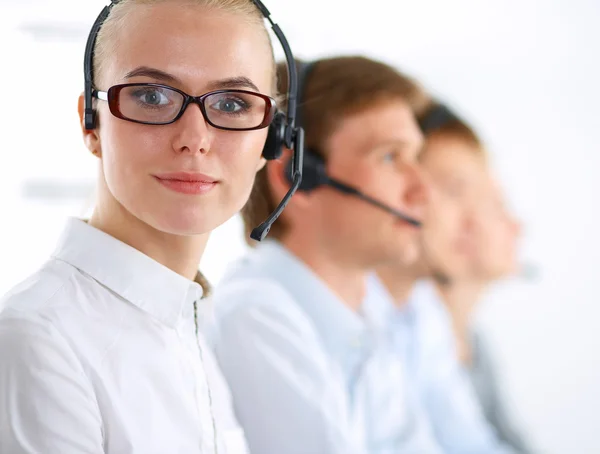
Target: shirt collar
x=340, y=327
x=379, y=303
x=423, y=298
x=149, y=285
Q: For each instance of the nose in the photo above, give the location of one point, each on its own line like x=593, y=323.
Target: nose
x=517, y=227
x=418, y=189
x=194, y=133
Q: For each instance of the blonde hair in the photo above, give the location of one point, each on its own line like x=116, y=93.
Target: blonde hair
x=117, y=20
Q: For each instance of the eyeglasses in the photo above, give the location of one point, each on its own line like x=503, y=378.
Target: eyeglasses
x=156, y=104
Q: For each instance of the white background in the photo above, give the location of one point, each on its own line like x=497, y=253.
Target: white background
x=524, y=72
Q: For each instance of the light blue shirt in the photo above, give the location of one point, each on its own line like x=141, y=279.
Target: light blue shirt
x=422, y=334
x=307, y=374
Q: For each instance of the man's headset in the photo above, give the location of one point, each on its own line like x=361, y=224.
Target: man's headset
x=314, y=171
x=282, y=131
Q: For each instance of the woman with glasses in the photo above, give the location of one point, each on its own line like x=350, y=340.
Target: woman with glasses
x=100, y=350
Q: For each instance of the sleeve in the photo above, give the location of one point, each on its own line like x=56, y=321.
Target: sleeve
x=500, y=417
x=450, y=400
x=47, y=405
x=286, y=395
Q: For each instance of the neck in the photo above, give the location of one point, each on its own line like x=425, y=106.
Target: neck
x=345, y=279
x=179, y=253
x=460, y=298
x=398, y=281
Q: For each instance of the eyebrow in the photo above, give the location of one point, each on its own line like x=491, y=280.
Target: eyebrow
x=233, y=82
x=396, y=143
x=152, y=73
x=157, y=74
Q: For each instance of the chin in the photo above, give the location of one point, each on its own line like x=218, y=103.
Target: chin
x=188, y=222
x=406, y=253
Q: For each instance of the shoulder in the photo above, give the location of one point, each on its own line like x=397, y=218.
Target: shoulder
x=29, y=313
x=57, y=294
x=30, y=344
x=259, y=303
x=71, y=309
x=46, y=289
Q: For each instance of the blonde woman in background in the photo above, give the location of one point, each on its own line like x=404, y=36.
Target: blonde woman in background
x=427, y=313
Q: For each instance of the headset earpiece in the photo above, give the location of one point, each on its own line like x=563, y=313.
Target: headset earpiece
x=314, y=173
x=89, y=119
x=275, y=137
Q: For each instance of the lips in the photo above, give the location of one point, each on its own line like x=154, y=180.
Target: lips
x=187, y=182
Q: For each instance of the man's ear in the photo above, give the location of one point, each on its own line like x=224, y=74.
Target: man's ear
x=278, y=181
x=90, y=138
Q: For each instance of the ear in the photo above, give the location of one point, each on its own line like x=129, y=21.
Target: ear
x=279, y=183
x=261, y=163
x=90, y=138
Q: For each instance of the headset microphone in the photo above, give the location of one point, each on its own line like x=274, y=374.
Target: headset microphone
x=295, y=173
x=355, y=192
x=314, y=175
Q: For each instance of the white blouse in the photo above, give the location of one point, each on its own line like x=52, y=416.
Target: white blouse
x=99, y=353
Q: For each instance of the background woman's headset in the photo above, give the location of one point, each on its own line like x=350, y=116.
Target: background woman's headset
x=282, y=130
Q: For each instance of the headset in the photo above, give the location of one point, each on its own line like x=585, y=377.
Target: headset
x=314, y=171
x=438, y=116
x=282, y=132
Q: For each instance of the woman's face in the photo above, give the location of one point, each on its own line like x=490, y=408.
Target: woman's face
x=495, y=233
x=455, y=171
x=196, y=50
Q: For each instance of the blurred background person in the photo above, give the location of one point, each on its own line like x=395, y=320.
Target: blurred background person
x=454, y=161
x=294, y=341
x=454, y=164
x=487, y=244
x=494, y=233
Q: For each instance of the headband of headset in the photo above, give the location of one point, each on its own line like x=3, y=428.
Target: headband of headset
x=313, y=173
x=438, y=116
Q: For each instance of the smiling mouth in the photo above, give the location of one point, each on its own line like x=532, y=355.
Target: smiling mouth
x=187, y=183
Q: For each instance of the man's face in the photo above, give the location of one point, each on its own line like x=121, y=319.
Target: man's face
x=376, y=152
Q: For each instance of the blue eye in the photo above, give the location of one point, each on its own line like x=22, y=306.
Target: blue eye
x=390, y=157
x=230, y=105
x=151, y=97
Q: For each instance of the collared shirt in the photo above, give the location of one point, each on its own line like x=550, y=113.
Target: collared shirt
x=422, y=333
x=307, y=374
x=99, y=354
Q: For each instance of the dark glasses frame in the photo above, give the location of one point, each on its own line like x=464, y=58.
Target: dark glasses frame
x=112, y=96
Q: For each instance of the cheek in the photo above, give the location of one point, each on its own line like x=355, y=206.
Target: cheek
x=492, y=247
x=445, y=218
x=505, y=244
x=240, y=158
x=133, y=151
x=384, y=183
